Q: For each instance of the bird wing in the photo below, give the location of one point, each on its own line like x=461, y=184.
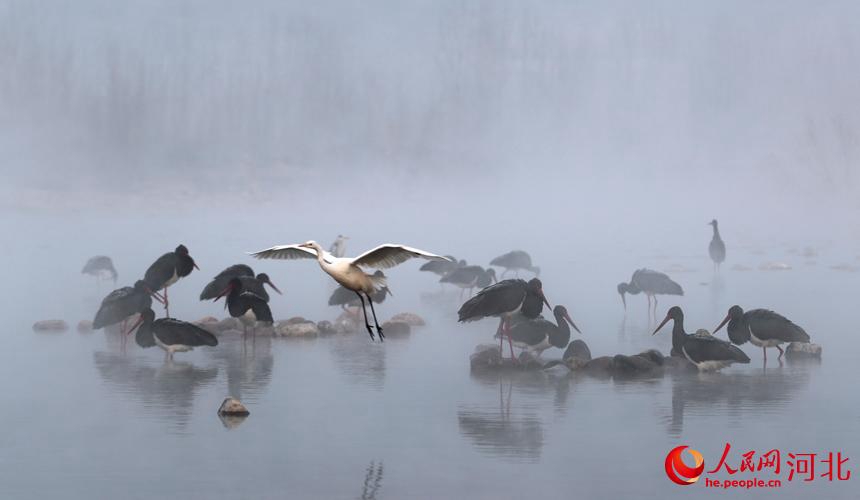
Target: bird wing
x=462, y=275
x=766, y=325
x=285, y=252
x=161, y=271
x=342, y=296
x=495, y=300
x=262, y=311
x=705, y=347
x=389, y=255
x=253, y=288
x=173, y=331
x=656, y=282
x=531, y=331
x=512, y=259
x=220, y=282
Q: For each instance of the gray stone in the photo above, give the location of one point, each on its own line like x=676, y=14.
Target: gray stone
x=85, y=326
x=326, y=327
x=287, y=329
x=50, y=325
x=233, y=407
x=396, y=328
x=803, y=350
x=411, y=319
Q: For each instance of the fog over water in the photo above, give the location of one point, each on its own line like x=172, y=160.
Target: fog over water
x=601, y=137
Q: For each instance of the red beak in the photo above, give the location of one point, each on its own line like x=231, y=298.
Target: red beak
x=726, y=320
x=136, y=324
x=567, y=317
x=274, y=287
x=661, y=324
x=223, y=292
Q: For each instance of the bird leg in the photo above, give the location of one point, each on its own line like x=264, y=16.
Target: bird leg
x=655, y=306
x=781, y=352
x=510, y=340
x=500, y=332
x=375, y=322
x=366, y=323
x=764, y=350
x=166, y=303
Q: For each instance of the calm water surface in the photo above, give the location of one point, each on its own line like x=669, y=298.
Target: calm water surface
x=341, y=417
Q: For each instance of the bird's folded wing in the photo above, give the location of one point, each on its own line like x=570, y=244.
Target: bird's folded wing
x=285, y=252
x=388, y=255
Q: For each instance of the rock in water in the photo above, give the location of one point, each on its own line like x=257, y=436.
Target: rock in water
x=486, y=356
x=411, y=319
x=287, y=329
x=50, y=325
x=233, y=407
x=85, y=326
x=600, y=366
x=347, y=323
x=227, y=324
x=209, y=321
x=396, y=328
x=803, y=350
x=326, y=327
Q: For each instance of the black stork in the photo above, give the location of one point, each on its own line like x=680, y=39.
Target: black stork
x=763, y=328
x=537, y=335
x=650, y=282
x=121, y=304
x=704, y=350
x=100, y=266
x=470, y=277
x=717, y=248
x=502, y=300
x=442, y=267
x=167, y=270
x=222, y=279
x=170, y=334
x=514, y=261
x=247, y=299
x=344, y=297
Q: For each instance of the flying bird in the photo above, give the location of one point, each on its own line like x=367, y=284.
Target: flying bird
x=347, y=271
x=100, y=266
x=170, y=334
x=717, y=249
x=537, y=335
x=167, y=270
x=763, y=328
x=652, y=283
x=514, y=261
x=222, y=279
x=702, y=349
x=503, y=300
x=121, y=304
x=248, y=300
x=470, y=277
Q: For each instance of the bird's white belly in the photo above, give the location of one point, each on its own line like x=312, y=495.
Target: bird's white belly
x=707, y=366
x=172, y=280
x=174, y=347
x=763, y=343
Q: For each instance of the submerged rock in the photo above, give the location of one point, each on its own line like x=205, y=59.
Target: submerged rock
x=803, y=350
x=396, y=328
x=639, y=364
x=50, y=325
x=85, y=326
x=305, y=329
x=326, y=327
x=233, y=407
x=486, y=356
x=410, y=319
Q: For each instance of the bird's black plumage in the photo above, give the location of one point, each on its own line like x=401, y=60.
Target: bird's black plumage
x=442, y=267
x=700, y=348
x=516, y=259
x=470, y=277
x=248, y=293
x=539, y=332
x=222, y=279
x=766, y=325
x=503, y=298
x=346, y=297
x=176, y=264
x=171, y=332
x=122, y=303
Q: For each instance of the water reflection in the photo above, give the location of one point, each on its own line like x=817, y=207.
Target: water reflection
x=359, y=361
x=166, y=391
x=372, y=481
x=737, y=394
x=248, y=366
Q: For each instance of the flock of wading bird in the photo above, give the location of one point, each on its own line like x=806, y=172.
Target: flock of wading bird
x=516, y=302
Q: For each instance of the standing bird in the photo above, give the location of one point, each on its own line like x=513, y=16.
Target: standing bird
x=344, y=297
x=652, y=283
x=702, y=349
x=338, y=248
x=538, y=335
x=717, y=249
x=514, y=261
x=248, y=300
x=100, y=266
x=219, y=282
x=504, y=299
x=442, y=267
x=167, y=270
x=347, y=271
x=170, y=334
x=469, y=277
x=122, y=303
x=763, y=328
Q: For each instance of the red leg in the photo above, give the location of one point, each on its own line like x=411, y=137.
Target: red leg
x=781, y=352
x=510, y=340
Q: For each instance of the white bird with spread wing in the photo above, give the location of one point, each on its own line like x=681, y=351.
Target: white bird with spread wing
x=347, y=271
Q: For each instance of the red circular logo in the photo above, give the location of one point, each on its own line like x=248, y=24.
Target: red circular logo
x=681, y=473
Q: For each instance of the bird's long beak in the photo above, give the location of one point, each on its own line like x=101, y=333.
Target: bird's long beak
x=726, y=320
x=624, y=301
x=661, y=324
x=545, y=301
x=274, y=287
x=567, y=317
x=136, y=324
x=196, y=266
x=226, y=291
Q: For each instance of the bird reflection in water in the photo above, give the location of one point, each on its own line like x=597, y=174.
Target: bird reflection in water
x=372, y=481
x=248, y=369
x=360, y=362
x=733, y=394
x=165, y=391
